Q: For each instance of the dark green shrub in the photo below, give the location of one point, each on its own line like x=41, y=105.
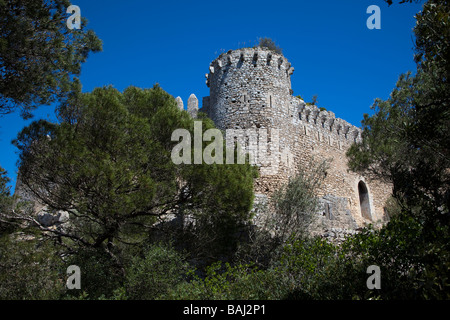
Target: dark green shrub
x=29, y=269
x=153, y=274
x=414, y=262
x=100, y=274
x=269, y=44
x=239, y=282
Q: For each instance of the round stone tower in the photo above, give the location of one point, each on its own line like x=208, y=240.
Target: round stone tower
x=249, y=88
x=251, y=95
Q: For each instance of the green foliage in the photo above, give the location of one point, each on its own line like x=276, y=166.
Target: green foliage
x=406, y=142
x=268, y=43
x=40, y=56
x=226, y=282
x=313, y=102
x=411, y=267
x=288, y=215
x=306, y=256
x=101, y=274
x=5, y=201
x=29, y=269
x=295, y=203
x=152, y=275
x=389, y=2
x=108, y=163
x=308, y=268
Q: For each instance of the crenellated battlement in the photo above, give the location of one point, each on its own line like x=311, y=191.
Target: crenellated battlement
x=192, y=107
x=251, y=87
x=325, y=122
x=253, y=57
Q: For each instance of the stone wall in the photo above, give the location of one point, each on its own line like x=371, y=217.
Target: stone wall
x=250, y=89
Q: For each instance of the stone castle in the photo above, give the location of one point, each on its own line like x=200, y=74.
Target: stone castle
x=250, y=92
x=250, y=88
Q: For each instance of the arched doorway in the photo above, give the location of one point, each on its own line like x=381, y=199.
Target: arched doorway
x=364, y=202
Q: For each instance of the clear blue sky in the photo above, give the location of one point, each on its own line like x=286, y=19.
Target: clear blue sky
x=335, y=55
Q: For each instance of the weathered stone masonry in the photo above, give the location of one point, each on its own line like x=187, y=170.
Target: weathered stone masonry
x=250, y=88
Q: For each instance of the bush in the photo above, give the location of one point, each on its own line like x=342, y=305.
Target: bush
x=269, y=44
x=29, y=269
x=239, y=282
x=100, y=274
x=288, y=215
x=153, y=274
x=413, y=263
x=295, y=204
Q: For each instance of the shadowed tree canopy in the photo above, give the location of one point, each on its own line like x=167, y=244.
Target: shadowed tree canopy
x=40, y=56
x=108, y=164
